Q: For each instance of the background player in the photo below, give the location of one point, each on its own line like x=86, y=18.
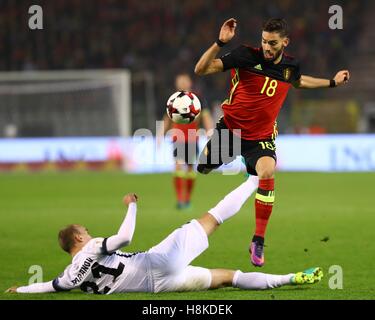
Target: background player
x=261, y=78
x=98, y=267
x=184, y=175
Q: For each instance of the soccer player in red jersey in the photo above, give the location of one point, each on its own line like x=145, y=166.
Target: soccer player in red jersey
x=185, y=146
x=261, y=79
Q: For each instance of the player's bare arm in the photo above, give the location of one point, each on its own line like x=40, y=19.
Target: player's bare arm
x=207, y=64
x=307, y=82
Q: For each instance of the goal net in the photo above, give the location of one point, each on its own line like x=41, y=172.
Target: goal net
x=65, y=103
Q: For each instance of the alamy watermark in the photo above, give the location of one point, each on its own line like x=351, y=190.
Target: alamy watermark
x=36, y=18
x=336, y=21
x=225, y=146
x=336, y=280
x=37, y=274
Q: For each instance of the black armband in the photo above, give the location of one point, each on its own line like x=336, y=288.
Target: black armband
x=220, y=43
x=332, y=83
x=57, y=287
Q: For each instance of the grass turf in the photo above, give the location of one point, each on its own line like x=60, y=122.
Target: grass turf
x=309, y=208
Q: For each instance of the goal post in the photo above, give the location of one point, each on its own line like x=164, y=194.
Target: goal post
x=66, y=103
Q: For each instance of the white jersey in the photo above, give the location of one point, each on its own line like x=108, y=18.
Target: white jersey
x=165, y=267
x=95, y=271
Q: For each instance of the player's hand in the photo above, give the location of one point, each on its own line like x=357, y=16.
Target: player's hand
x=342, y=77
x=12, y=290
x=129, y=198
x=227, y=30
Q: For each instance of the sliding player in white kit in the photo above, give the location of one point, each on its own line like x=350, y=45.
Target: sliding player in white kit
x=99, y=267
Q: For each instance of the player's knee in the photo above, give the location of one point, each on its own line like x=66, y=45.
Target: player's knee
x=266, y=173
x=265, y=167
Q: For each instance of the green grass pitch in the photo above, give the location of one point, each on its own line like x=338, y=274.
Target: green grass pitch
x=309, y=207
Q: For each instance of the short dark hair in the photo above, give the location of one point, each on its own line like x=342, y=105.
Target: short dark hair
x=66, y=236
x=277, y=25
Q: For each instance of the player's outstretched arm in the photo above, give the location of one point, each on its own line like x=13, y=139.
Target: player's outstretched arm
x=126, y=231
x=43, y=287
x=307, y=82
x=207, y=64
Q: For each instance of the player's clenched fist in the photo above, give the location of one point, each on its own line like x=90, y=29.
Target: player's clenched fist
x=227, y=30
x=129, y=198
x=342, y=77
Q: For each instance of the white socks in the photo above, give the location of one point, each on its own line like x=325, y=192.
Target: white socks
x=259, y=281
x=233, y=201
x=227, y=208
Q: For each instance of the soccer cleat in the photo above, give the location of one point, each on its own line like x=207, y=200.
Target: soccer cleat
x=187, y=205
x=183, y=205
x=256, y=253
x=180, y=205
x=308, y=276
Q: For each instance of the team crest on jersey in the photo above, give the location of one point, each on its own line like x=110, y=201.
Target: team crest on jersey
x=287, y=73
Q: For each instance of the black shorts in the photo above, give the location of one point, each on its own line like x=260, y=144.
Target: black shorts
x=185, y=151
x=224, y=147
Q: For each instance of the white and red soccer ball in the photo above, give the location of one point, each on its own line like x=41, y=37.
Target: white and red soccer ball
x=183, y=107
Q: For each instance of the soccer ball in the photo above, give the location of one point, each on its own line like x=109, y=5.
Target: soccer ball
x=183, y=107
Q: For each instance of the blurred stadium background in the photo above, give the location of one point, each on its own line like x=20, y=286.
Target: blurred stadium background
x=138, y=48
x=72, y=95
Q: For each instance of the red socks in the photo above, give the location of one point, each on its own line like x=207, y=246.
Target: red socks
x=184, y=184
x=189, y=187
x=179, y=188
x=264, y=199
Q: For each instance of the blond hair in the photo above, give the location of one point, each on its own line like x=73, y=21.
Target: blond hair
x=66, y=236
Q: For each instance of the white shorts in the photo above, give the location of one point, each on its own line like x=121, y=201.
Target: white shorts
x=170, y=260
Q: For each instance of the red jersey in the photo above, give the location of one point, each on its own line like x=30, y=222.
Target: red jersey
x=187, y=133
x=258, y=91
